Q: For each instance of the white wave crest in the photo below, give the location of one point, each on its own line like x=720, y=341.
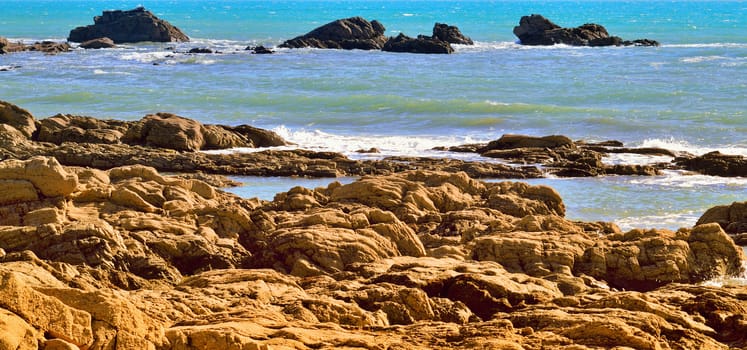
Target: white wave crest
x=684, y=146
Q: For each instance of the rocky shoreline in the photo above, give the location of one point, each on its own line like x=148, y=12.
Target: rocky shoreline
x=98, y=250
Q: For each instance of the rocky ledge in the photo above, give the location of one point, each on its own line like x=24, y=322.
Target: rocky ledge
x=538, y=30
x=130, y=259
x=128, y=27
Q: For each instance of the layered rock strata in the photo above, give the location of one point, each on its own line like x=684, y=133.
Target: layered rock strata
x=128, y=258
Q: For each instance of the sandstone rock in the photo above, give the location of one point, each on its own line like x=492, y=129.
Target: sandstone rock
x=537, y=30
x=128, y=27
x=732, y=218
x=450, y=34
x=46, y=174
x=49, y=47
x=167, y=131
x=69, y=128
x=15, y=333
x=350, y=33
x=18, y=118
x=98, y=43
x=421, y=44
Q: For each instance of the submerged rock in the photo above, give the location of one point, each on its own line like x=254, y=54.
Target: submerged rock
x=716, y=164
x=128, y=27
x=350, y=33
x=538, y=30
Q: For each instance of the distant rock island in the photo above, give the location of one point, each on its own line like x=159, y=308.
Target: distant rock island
x=128, y=27
x=359, y=33
x=537, y=30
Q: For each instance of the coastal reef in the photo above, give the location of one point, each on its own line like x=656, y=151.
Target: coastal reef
x=128, y=27
x=538, y=30
x=127, y=258
x=171, y=143
x=100, y=250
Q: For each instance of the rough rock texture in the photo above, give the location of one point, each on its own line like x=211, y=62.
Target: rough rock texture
x=18, y=118
x=716, y=164
x=450, y=34
x=48, y=47
x=563, y=157
x=421, y=44
x=538, y=30
x=732, y=218
x=98, y=43
x=128, y=27
x=350, y=33
x=131, y=259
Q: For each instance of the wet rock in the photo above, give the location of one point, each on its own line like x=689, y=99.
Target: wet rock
x=128, y=27
x=716, y=164
x=98, y=43
x=200, y=50
x=421, y=44
x=450, y=34
x=259, y=50
x=350, y=33
x=538, y=30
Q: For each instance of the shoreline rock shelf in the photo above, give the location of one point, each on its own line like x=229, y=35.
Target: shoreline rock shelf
x=128, y=258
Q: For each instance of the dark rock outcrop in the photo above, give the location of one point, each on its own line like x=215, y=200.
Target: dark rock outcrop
x=538, y=30
x=98, y=43
x=450, y=34
x=259, y=50
x=128, y=27
x=716, y=164
x=421, y=44
x=350, y=33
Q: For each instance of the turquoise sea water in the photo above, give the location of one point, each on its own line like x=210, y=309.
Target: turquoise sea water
x=690, y=94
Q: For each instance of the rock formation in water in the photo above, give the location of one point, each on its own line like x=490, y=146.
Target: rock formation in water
x=349, y=33
x=130, y=259
x=98, y=43
x=128, y=27
x=48, y=47
x=732, y=218
x=538, y=30
x=358, y=33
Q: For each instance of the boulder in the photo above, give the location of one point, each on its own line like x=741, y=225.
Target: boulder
x=538, y=30
x=350, y=33
x=128, y=27
x=18, y=118
x=450, y=34
x=98, y=43
x=732, y=218
x=70, y=128
x=49, y=47
x=421, y=44
x=46, y=174
x=259, y=50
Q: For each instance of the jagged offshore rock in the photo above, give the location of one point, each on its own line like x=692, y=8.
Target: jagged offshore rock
x=128, y=27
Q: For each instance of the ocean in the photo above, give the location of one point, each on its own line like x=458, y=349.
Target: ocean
x=689, y=94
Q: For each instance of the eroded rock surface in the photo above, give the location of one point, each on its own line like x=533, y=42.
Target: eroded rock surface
x=349, y=33
x=128, y=27
x=129, y=258
x=538, y=30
